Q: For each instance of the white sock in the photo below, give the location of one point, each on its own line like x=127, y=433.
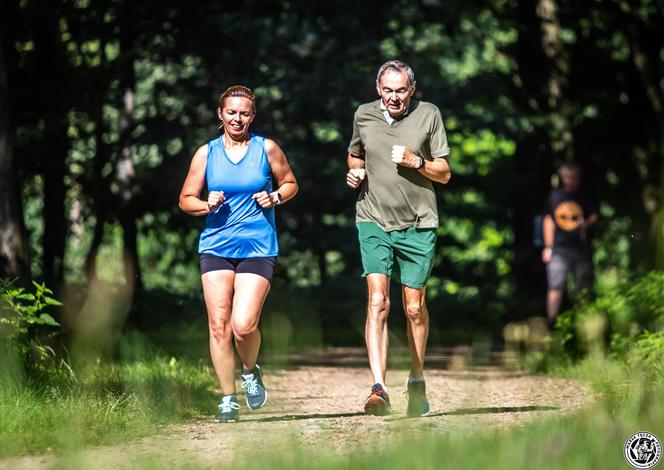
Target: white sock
x=415, y=379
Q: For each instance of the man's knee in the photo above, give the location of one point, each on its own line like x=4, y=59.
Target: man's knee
x=379, y=303
x=416, y=312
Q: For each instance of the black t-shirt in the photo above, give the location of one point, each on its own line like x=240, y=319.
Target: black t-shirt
x=568, y=210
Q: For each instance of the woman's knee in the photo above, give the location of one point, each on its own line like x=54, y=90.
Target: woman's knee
x=220, y=329
x=244, y=328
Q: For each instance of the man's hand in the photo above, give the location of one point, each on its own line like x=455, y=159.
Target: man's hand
x=215, y=199
x=265, y=199
x=404, y=157
x=547, y=251
x=355, y=176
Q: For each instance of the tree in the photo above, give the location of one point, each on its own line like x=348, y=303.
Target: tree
x=13, y=246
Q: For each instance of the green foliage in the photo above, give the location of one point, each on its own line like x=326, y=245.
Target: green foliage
x=22, y=313
x=626, y=320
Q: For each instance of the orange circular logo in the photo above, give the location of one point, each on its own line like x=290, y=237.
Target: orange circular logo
x=568, y=215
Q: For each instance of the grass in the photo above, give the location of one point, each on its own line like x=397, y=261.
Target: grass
x=105, y=404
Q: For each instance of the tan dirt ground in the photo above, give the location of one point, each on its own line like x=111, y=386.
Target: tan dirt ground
x=316, y=403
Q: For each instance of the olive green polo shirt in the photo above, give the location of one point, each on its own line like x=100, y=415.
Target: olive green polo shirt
x=392, y=196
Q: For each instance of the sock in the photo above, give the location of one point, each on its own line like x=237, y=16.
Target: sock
x=412, y=379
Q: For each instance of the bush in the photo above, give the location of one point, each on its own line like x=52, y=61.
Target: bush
x=22, y=319
x=626, y=322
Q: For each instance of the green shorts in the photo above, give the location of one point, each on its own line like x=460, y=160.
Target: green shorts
x=413, y=248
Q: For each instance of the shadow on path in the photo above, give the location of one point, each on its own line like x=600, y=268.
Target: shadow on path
x=496, y=409
x=300, y=417
x=463, y=411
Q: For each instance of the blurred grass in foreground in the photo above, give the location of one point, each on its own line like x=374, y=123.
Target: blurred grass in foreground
x=104, y=404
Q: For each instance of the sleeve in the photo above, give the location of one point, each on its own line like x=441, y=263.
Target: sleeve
x=438, y=137
x=356, y=147
x=551, y=204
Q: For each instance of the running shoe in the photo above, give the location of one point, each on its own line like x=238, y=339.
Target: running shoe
x=377, y=403
x=228, y=410
x=256, y=395
x=418, y=405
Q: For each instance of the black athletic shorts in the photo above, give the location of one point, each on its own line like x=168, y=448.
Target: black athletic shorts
x=261, y=266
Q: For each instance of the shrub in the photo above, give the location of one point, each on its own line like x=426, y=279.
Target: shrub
x=22, y=319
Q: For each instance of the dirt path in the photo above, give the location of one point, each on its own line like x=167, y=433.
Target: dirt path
x=320, y=406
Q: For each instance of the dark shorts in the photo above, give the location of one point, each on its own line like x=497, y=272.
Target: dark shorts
x=560, y=266
x=262, y=266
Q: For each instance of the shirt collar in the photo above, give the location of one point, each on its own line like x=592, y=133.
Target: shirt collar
x=386, y=113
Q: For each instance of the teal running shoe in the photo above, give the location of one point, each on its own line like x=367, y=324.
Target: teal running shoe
x=418, y=405
x=229, y=410
x=256, y=395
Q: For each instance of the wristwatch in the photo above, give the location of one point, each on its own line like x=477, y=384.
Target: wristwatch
x=421, y=163
x=279, y=197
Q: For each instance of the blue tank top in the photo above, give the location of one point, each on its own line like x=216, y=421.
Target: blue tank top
x=239, y=228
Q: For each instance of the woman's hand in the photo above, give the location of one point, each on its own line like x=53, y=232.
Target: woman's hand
x=266, y=200
x=215, y=199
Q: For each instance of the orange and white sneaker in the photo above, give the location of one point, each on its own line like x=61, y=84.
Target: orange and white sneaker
x=377, y=403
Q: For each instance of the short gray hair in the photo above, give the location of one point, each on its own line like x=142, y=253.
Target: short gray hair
x=396, y=66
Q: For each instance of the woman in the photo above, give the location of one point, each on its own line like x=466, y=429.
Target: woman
x=238, y=246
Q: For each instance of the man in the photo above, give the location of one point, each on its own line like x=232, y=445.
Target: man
x=398, y=149
x=567, y=246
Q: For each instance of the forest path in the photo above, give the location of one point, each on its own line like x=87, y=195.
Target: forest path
x=316, y=404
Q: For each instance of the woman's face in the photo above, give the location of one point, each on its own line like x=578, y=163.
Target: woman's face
x=236, y=116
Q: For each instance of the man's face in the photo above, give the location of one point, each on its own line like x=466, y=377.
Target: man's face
x=571, y=179
x=394, y=91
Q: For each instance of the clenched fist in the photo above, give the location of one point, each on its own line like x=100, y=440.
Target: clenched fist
x=265, y=199
x=215, y=199
x=355, y=177
x=404, y=157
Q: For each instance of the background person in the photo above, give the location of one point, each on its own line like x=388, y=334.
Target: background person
x=567, y=241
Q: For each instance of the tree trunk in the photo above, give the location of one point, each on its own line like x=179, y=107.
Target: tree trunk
x=56, y=143
x=55, y=220
x=560, y=110
x=13, y=245
x=645, y=45
x=125, y=168
x=98, y=187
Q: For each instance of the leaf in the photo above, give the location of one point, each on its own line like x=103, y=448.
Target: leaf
x=51, y=301
x=46, y=319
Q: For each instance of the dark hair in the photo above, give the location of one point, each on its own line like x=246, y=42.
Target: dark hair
x=570, y=166
x=239, y=91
